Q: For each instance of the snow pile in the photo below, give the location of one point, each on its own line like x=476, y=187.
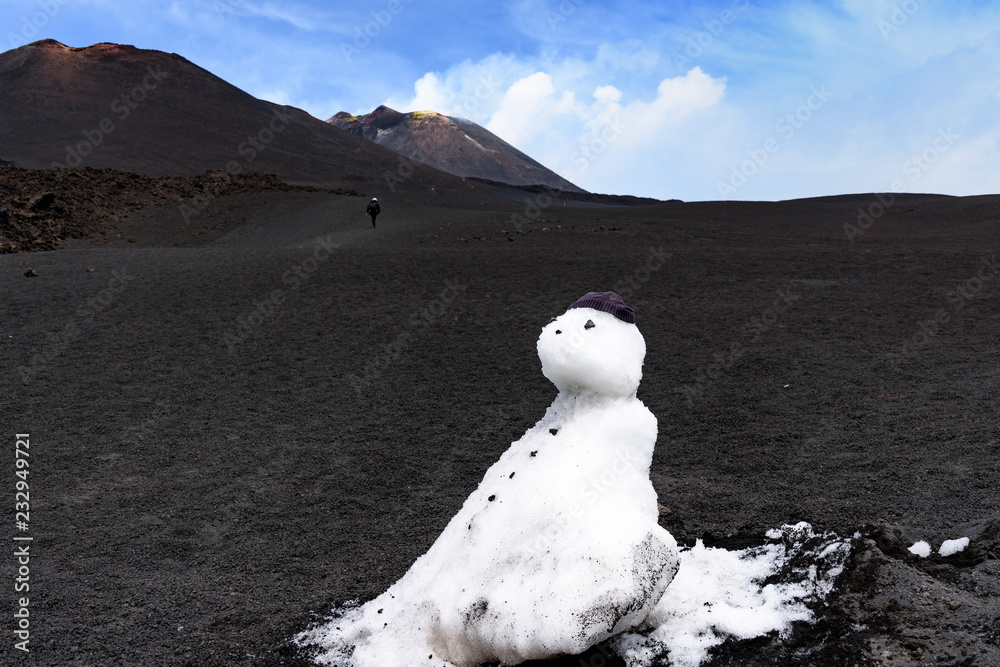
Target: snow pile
x=952, y=547
x=558, y=548
x=948, y=547
x=719, y=595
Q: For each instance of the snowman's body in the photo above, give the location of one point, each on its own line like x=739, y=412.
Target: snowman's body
x=559, y=547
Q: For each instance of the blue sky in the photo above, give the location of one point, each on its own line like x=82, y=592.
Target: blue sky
x=734, y=99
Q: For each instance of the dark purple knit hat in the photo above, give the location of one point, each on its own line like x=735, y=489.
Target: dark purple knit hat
x=609, y=302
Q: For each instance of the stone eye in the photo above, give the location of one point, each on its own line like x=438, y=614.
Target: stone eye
x=589, y=325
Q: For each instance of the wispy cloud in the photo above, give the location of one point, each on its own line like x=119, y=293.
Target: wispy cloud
x=301, y=18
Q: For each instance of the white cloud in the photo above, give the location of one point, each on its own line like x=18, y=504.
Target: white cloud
x=572, y=116
x=608, y=145
x=644, y=146
x=472, y=90
x=607, y=94
x=430, y=95
x=529, y=107
x=679, y=97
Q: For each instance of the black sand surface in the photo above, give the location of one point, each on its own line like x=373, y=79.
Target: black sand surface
x=283, y=411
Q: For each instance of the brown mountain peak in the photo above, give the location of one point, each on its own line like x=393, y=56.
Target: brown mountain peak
x=454, y=145
x=49, y=43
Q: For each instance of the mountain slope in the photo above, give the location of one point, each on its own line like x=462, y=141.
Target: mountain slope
x=453, y=145
x=155, y=113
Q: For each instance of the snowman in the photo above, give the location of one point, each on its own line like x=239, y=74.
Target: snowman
x=559, y=547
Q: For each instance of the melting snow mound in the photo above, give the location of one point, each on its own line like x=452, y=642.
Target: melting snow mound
x=719, y=595
x=716, y=595
x=952, y=547
x=921, y=548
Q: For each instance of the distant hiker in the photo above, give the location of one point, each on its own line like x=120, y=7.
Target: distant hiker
x=373, y=210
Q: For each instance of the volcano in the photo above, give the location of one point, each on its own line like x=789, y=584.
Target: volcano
x=453, y=145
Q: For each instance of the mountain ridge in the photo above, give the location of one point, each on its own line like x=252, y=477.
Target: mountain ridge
x=155, y=113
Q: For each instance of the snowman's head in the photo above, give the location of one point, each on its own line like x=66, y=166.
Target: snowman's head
x=594, y=346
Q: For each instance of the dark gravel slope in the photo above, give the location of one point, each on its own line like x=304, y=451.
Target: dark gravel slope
x=227, y=439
